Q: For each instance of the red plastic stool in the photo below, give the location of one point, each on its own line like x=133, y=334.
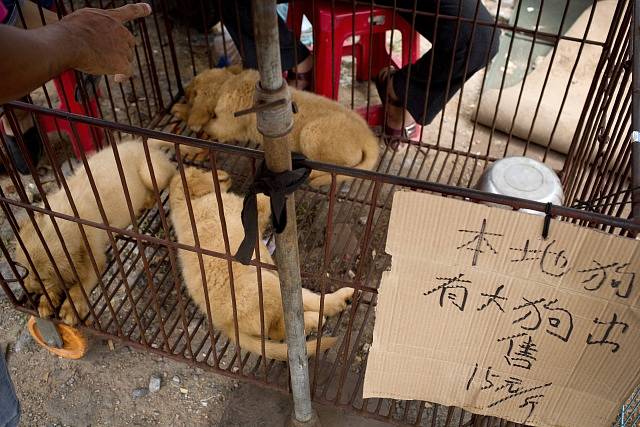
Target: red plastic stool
x=81, y=135
x=334, y=25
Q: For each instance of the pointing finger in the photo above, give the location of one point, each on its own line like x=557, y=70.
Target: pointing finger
x=130, y=12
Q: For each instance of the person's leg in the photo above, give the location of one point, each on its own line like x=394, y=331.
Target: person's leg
x=429, y=87
x=9, y=404
x=237, y=18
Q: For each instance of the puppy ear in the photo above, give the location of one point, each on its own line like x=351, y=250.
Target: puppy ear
x=235, y=69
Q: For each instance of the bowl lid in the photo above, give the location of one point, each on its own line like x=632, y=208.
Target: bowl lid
x=525, y=178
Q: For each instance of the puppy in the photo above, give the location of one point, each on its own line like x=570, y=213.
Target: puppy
x=202, y=95
x=209, y=229
x=323, y=130
x=111, y=191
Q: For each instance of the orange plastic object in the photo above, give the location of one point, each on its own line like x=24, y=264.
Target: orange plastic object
x=74, y=343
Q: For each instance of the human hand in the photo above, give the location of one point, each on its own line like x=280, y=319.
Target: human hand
x=98, y=40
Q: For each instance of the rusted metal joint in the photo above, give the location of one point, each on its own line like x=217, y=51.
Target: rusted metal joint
x=260, y=107
x=275, y=119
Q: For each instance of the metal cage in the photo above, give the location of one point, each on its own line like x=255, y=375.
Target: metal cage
x=139, y=297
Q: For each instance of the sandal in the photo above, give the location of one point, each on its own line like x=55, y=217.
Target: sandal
x=382, y=82
x=307, y=77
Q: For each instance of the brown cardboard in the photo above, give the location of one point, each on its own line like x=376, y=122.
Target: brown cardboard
x=443, y=348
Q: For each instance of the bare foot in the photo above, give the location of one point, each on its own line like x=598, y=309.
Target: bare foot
x=397, y=117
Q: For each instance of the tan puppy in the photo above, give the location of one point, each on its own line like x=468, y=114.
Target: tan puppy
x=202, y=96
x=209, y=228
x=105, y=174
x=323, y=130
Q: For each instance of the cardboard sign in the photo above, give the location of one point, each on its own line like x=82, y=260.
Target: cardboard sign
x=478, y=311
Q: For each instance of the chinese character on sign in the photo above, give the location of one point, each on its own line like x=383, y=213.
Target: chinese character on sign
x=559, y=329
x=551, y=262
x=451, y=290
x=560, y=320
x=614, y=273
x=532, y=308
x=521, y=350
x=604, y=340
x=478, y=242
x=493, y=298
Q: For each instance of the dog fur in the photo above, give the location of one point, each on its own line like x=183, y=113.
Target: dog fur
x=323, y=129
x=111, y=191
x=202, y=95
x=208, y=226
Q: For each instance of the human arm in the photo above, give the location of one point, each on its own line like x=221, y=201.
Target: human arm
x=93, y=41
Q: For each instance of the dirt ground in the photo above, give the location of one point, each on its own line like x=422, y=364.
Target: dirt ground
x=109, y=387
x=99, y=389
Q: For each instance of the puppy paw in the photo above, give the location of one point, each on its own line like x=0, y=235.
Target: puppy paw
x=68, y=316
x=44, y=308
x=310, y=322
x=196, y=128
x=181, y=111
x=337, y=301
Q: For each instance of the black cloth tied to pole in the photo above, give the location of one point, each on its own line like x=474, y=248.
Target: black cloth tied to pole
x=277, y=186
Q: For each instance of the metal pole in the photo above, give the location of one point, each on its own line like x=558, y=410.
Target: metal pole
x=635, y=119
x=275, y=125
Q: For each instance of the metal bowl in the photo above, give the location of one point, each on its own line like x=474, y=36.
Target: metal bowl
x=524, y=178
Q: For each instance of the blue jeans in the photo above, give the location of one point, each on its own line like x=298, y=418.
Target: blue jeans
x=9, y=405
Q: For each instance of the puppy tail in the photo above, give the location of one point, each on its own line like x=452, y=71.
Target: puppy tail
x=370, y=154
x=277, y=350
x=369, y=160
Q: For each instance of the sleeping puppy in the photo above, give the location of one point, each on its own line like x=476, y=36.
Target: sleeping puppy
x=111, y=191
x=205, y=211
x=202, y=95
x=323, y=129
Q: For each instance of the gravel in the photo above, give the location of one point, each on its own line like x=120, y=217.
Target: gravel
x=140, y=392
x=154, y=383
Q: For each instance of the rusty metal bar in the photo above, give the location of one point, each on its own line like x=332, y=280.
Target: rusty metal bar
x=275, y=125
x=585, y=143
x=356, y=173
